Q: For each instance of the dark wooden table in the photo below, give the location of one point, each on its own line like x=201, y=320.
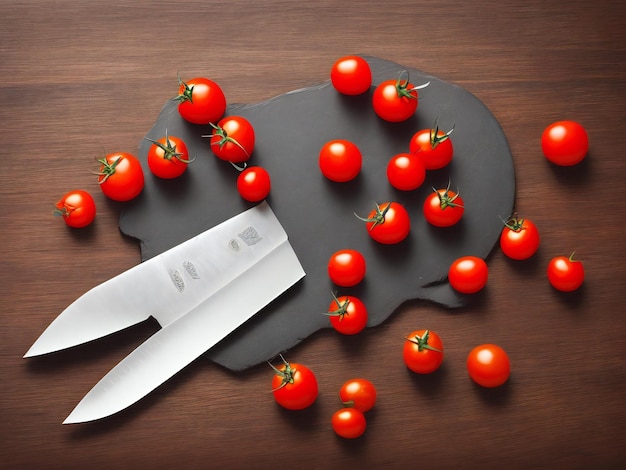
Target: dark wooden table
x=77, y=78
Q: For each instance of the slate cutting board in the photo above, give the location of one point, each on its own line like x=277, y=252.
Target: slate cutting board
x=318, y=215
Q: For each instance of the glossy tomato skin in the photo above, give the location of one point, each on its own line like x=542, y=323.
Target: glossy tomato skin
x=340, y=160
x=565, y=143
x=233, y=139
x=347, y=267
x=294, y=386
x=519, y=239
x=488, y=365
x=435, y=152
x=565, y=273
x=168, y=157
x=254, y=183
x=443, y=208
x=388, y=223
x=201, y=101
x=77, y=208
x=395, y=100
x=351, y=75
x=349, y=423
x=468, y=274
x=121, y=176
x=348, y=314
x=406, y=172
x=358, y=393
x=423, y=351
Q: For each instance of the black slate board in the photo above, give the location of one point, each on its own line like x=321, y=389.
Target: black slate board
x=317, y=214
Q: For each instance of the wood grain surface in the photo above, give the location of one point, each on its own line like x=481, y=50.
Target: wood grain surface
x=80, y=78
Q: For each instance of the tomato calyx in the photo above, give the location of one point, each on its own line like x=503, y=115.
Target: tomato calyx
x=422, y=342
x=107, y=170
x=378, y=218
x=445, y=200
x=342, y=309
x=435, y=138
x=187, y=92
x=286, y=374
x=169, y=150
x=224, y=138
x=514, y=223
x=402, y=86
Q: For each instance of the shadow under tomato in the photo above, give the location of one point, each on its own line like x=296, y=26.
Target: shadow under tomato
x=577, y=175
x=430, y=385
x=496, y=396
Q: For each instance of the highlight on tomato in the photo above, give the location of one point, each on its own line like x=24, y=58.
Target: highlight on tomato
x=77, y=208
x=433, y=146
x=349, y=423
x=347, y=267
x=488, y=365
x=340, y=160
x=168, y=157
x=200, y=100
x=254, y=183
x=358, y=393
x=565, y=273
x=387, y=223
x=565, y=143
x=396, y=100
x=405, y=172
x=351, y=75
x=520, y=238
x=347, y=314
x=443, y=207
x=120, y=176
x=294, y=385
x=423, y=351
x=468, y=274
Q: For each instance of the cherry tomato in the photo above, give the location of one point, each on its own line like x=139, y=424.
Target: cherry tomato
x=77, y=208
x=396, y=100
x=468, y=274
x=388, y=223
x=254, y=183
x=433, y=147
x=358, y=393
x=423, y=351
x=340, y=160
x=488, y=365
x=565, y=143
x=233, y=139
x=168, y=157
x=120, y=177
x=443, y=208
x=348, y=314
x=566, y=274
x=351, y=75
x=346, y=268
x=519, y=239
x=406, y=172
x=349, y=423
x=294, y=385
x=201, y=101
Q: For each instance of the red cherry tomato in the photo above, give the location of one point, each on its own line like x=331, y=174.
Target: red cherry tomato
x=348, y=314
x=77, y=208
x=406, y=172
x=351, y=75
x=388, y=223
x=519, y=239
x=468, y=274
x=254, y=183
x=488, y=365
x=566, y=274
x=201, y=101
x=346, y=268
x=423, y=351
x=340, y=160
x=233, y=139
x=358, y=393
x=443, y=208
x=565, y=143
x=349, y=423
x=396, y=100
x=433, y=147
x=294, y=385
x=120, y=177
x=168, y=157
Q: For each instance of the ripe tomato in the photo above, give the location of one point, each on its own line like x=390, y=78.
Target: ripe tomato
x=434, y=147
x=468, y=274
x=349, y=423
x=423, y=351
x=519, y=239
x=351, y=75
x=565, y=143
x=346, y=268
x=254, y=183
x=120, y=176
x=77, y=208
x=406, y=172
x=396, y=100
x=358, y=393
x=348, y=314
x=233, y=139
x=294, y=385
x=388, y=223
x=566, y=274
x=168, y=157
x=443, y=208
x=201, y=101
x=488, y=365
x=340, y=160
